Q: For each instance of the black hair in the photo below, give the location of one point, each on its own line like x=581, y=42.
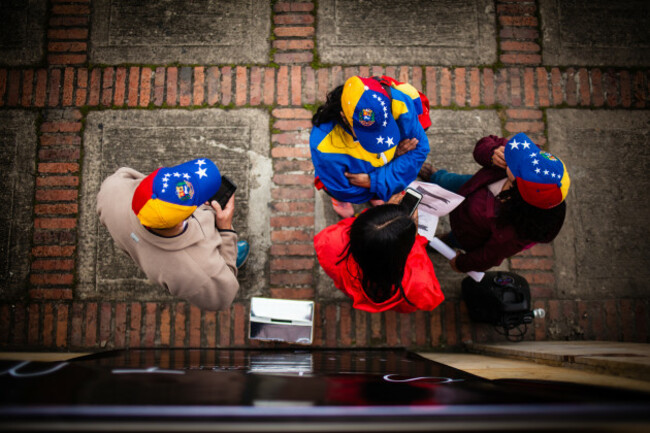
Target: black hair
x=331, y=109
x=380, y=241
x=530, y=222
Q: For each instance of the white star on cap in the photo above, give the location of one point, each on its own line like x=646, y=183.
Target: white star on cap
x=537, y=170
x=546, y=172
x=165, y=185
x=366, y=88
x=380, y=140
x=202, y=172
x=533, y=155
x=186, y=176
x=525, y=144
x=552, y=174
x=385, y=123
x=535, y=162
x=200, y=162
x=514, y=144
x=389, y=141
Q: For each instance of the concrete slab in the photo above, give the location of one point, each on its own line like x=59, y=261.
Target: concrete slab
x=622, y=359
x=415, y=32
x=596, y=32
x=22, y=30
x=603, y=250
x=17, y=155
x=201, y=31
x=238, y=141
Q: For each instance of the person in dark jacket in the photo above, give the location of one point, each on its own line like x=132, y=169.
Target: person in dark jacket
x=515, y=201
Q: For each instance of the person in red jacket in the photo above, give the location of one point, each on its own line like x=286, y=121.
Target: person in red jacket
x=513, y=202
x=380, y=261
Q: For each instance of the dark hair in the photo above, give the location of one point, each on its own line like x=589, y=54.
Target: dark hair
x=380, y=241
x=530, y=222
x=331, y=109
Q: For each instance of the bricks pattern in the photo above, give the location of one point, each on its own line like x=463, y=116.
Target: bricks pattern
x=50, y=317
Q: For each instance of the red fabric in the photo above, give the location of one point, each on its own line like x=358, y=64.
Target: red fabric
x=423, y=118
x=318, y=183
x=420, y=283
x=143, y=192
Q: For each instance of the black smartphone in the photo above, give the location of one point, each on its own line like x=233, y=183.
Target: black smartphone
x=411, y=200
x=226, y=190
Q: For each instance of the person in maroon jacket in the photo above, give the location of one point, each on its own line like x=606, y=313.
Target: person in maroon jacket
x=515, y=201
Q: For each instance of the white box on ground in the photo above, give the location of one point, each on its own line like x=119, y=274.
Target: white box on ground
x=285, y=320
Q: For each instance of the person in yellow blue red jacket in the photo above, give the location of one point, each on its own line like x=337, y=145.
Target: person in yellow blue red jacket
x=368, y=141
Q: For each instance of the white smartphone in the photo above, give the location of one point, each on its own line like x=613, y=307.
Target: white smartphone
x=411, y=200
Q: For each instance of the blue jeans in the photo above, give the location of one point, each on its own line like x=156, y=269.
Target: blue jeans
x=451, y=182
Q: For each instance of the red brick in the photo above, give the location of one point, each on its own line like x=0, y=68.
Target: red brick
x=149, y=338
x=405, y=329
x=542, y=87
x=330, y=325
x=145, y=87
x=531, y=263
x=159, y=87
x=540, y=323
x=28, y=87
x=502, y=87
x=597, y=88
x=93, y=94
x=224, y=328
x=521, y=8
x=293, y=44
x=292, y=250
x=55, y=223
x=54, y=87
x=521, y=59
x=283, y=85
x=298, y=32
x=519, y=46
x=195, y=326
x=57, y=181
x=584, y=90
x=459, y=84
x=135, y=324
x=431, y=85
x=67, y=46
x=52, y=265
x=18, y=324
x=596, y=313
x=70, y=9
x=639, y=90
x=239, y=333
x=165, y=325
x=519, y=33
x=626, y=89
x=120, y=86
x=82, y=84
x=241, y=85
x=33, y=324
x=61, y=127
x=611, y=320
x=291, y=113
x=13, y=92
x=290, y=152
x=66, y=59
x=524, y=113
x=69, y=33
x=390, y=318
x=292, y=193
x=293, y=179
x=322, y=87
x=134, y=82
x=293, y=264
x=360, y=328
x=296, y=85
x=54, y=154
x=209, y=328
x=226, y=85
x=611, y=88
x=107, y=87
x=445, y=87
x=290, y=19
x=185, y=98
x=198, y=87
x=269, y=86
x=627, y=315
x=293, y=207
x=529, y=87
x=105, y=331
x=291, y=235
x=48, y=293
x=76, y=324
x=256, y=86
x=179, y=324
x=90, y=322
x=518, y=21
x=119, y=333
x=534, y=278
x=285, y=293
x=345, y=325
x=48, y=325
x=50, y=279
x=68, y=87
x=474, y=87
x=488, y=87
x=288, y=138
x=172, y=86
x=53, y=251
x=58, y=139
x=69, y=21
x=556, y=86
x=294, y=7
x=583, y=320
x=41, y=88
x=450, y=324
x=56, y=209
x=571, y=88
x=292, y=125
x=61, y=339
x=292, y=278
x=515, y=86
x=286, y=165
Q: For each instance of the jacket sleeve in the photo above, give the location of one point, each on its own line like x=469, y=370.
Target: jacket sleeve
x=491, y=254
x=228, y=249
x=485, y=148
x=401, y=171
x=423, y=288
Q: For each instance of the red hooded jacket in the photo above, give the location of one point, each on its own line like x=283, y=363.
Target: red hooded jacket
x=419, y=282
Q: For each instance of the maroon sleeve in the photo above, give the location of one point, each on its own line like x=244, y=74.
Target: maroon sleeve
x=489, y=255
x=485, y=148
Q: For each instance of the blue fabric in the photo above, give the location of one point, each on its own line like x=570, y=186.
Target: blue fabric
x=385, y=180
x=449, y=181
x=243, y=249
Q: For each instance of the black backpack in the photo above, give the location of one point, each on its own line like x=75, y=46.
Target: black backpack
x=501, y=299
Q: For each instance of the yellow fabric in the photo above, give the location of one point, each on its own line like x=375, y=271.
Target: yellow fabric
x=352, y=92
x=159, y=214
x=398, y=108
x=565, y=183
x=339, y=141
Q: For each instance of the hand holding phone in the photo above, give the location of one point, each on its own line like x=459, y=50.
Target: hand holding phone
x=411, y=200
x=226, y=190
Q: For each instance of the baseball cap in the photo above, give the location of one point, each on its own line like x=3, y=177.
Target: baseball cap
x=367, y=107
x=171, y=194
x=542, y=178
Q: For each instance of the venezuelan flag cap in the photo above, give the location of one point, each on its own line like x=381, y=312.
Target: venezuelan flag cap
x=169, y=195
x=367, y=108
x=542, y=179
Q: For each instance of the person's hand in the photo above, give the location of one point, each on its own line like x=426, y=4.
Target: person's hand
x=452, y=262
x=406, y=145
x=498, y=157
x=396, y=198
x=224, y=216
x=358, y=179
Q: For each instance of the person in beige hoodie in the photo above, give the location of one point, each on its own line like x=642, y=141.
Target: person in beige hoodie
x=164, y=223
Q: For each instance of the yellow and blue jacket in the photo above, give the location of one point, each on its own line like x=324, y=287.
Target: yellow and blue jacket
x=335, y=151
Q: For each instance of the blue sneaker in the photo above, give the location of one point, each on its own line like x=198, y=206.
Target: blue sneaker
x=242, y=253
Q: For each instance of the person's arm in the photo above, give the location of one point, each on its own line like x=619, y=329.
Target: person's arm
x=223, y=221
x=219, y=290
x=423, y=288
x=485, y=147
x=491, y=254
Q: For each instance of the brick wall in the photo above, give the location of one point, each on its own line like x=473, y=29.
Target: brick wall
x=50, y=317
